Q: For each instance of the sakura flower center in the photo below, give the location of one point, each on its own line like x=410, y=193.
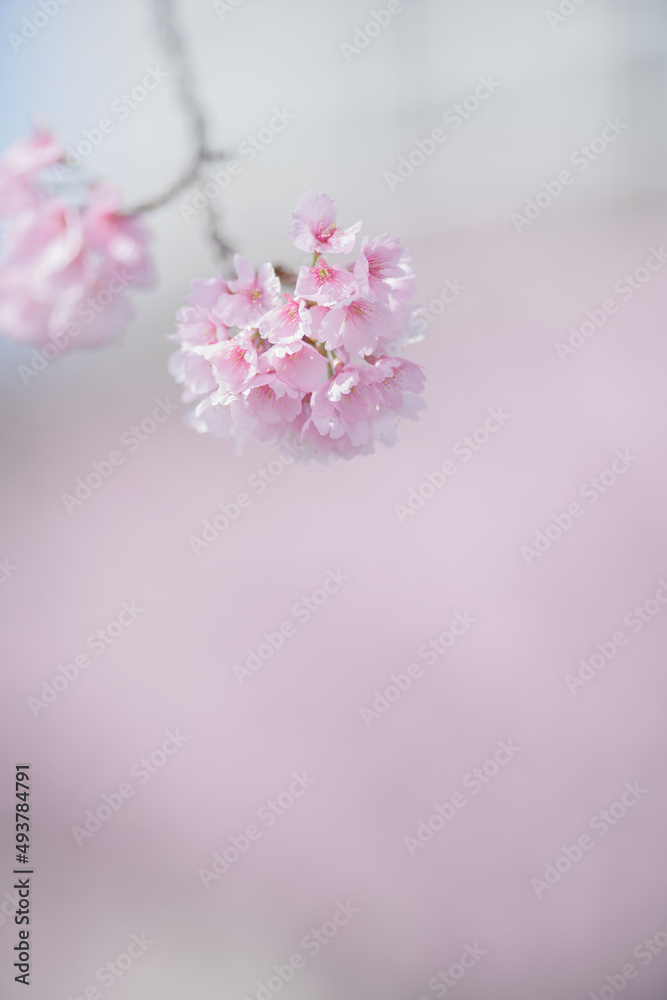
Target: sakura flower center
x=325, y=234
x=324, y=273
x=377, y=264
x=360, y=312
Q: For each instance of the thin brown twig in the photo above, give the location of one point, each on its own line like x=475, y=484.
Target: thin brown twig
x=194, y=112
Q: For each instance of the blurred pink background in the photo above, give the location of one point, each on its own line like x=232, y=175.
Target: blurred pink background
x=375, y=781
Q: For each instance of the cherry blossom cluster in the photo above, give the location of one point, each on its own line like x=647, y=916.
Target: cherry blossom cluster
x=320, y=368
x=68, y=256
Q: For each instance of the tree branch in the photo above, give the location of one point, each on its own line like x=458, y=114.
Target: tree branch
x=194, y=112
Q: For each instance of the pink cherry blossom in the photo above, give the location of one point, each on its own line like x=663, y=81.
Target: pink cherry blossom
x=325, y=283
x=194, y=372
x=213, y=415
x=300, y=366
x=286, y=323
x=200, y=322
x=314, y=226
x=320, y=371
x=20, y=165
x=398, y=377
x=27, y=157
x=55, y=285
x=317, y=314
x=206, y=292
x=346, y=403
x=234, y=363
x=120, y=240
x=401, y=288
x=198, y=326
x=379, y=262
x=250, y=294
x=66, y=266
x=358, y=325
x=270, y=399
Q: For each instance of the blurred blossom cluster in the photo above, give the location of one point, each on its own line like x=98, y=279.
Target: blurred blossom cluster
x=320, y=368
x=69, y=255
